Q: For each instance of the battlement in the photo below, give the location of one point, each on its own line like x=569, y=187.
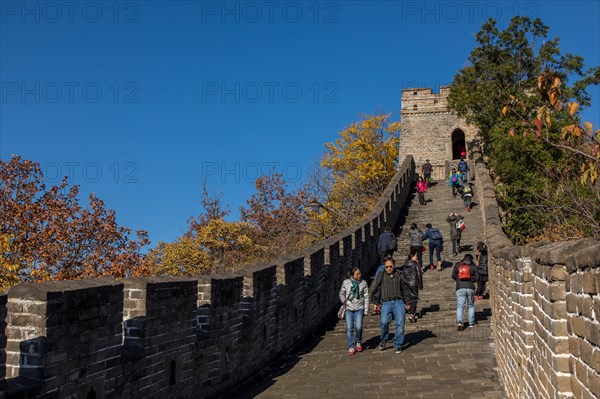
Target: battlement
x=167, y=337
x=431, y=131
x=423, y=100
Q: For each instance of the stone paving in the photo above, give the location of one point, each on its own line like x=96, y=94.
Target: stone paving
x=438, y=362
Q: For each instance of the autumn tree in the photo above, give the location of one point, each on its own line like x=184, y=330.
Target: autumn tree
x=503, y=70
x=278, y=215
x=210, y=244
x=355, y=170
x=45, y=234
x=570, y=198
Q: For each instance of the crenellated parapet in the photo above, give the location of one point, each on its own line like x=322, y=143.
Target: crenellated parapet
x=168, y=337
x=3, y=312
x=432, y=131
x=545, y=301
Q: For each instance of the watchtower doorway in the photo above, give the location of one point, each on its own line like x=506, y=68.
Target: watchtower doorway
x=458, y=144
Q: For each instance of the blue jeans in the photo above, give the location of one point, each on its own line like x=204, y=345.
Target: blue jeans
x=354, y=320
x=465, y=296
x=396, y=309
x=437, y=245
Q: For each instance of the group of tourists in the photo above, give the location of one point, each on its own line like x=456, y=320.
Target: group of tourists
x=460, y=184
x=395, y=293
x=458, y=180
x=395, y=290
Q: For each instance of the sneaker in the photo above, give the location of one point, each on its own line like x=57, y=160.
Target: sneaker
x=351, y=352
x=382, y=345
x=460, y=326
x=472, y=325
x=398, y=350
x=358, y=347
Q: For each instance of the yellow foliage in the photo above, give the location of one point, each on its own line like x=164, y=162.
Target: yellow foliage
x=365, y=152
x=217, y=246
x=10, y=270
x=362, y=161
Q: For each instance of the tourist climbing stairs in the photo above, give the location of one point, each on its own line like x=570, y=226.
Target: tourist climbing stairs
x=437, y=361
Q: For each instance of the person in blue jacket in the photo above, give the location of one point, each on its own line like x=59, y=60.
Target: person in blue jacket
x=436, y=241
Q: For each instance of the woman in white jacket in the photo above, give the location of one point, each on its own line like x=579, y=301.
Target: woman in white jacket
x=355, y=295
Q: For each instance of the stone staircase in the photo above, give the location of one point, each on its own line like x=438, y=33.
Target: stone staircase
x=438, y=361
x=437, y=302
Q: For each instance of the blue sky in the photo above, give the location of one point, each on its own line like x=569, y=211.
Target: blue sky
x=137, y=101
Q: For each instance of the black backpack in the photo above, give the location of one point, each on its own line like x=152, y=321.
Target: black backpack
x=392, y=244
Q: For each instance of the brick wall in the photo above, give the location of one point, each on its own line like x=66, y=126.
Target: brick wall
x=545, y=310
x=179, y=337
x=3, y=300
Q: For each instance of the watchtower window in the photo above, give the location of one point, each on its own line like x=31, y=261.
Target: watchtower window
x=91, y=394
x=415, y=107
x=435, y=101
x=414, y=93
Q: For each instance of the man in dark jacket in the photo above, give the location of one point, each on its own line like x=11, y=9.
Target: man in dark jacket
x=482, y=269
x=387, y=242
x=427, y=168
x=465, y=289
x=388, y=296
x=412, y=282
x=463, y=168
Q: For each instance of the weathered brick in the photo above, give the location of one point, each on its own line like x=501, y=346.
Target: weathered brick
x=558, y=273
x=593, y=382
x=584, y=306
x=578, y=323
x=557, y=292
x=574, y=346
x=560, y=363
x=586, y=352
x=575, y=283
x=588, y=282
x=592, y=332
x=571, y=302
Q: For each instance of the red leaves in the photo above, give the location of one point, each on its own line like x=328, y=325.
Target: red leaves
x=538, y=125
x=53, y=236
x=278, y=215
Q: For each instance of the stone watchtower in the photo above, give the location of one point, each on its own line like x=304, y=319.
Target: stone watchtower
x=431, y=131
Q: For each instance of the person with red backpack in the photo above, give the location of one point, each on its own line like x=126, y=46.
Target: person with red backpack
x=465, y=274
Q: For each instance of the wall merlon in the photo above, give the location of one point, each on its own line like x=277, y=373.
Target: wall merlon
x=559, y=252
x=3, y=341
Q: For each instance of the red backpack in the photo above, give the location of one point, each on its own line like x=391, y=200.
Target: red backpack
x=464, y=272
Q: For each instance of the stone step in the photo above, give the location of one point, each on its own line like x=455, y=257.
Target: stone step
x=435, y=350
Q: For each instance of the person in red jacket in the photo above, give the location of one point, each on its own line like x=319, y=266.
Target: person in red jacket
x=421, y=189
